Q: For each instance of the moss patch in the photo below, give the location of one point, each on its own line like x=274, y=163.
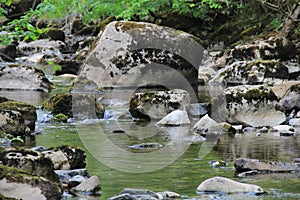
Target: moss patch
x=59, y=118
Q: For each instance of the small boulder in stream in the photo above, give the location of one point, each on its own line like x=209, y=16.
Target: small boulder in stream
x=175, y=118
x=157, y=104
x=225, y=185
x=90, y=186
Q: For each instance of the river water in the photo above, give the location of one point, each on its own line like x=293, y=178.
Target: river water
x=184, y=171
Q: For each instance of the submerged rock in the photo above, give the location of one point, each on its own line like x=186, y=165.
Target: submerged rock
x=18, y=77
x=19, y=184
x=157, y=104
x=139, y=192
x=225, y=185
x=175, y=118
x=244, y=164
x=146, y=146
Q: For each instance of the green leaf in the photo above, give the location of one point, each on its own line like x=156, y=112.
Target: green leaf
x=8, y=2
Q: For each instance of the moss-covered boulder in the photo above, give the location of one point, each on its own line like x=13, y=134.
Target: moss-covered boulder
x=11, y=122
x=157, y=104
x=27, y=111
x=252, y=72
x=29, y=161
x=64, y=103
x=251, y=105
x=19, y=184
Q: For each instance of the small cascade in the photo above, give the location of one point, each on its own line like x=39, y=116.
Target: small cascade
x=43, y=116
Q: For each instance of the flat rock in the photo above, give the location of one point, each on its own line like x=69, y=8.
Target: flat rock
x=225, y=185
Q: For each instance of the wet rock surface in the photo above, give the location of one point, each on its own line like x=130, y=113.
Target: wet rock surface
x=23, y=78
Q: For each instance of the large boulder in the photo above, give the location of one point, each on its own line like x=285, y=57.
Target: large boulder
x=27, y=111
x=15, y=76
x=225, y=185
x=19, y=184
x=245, y=164
x=138, y=53
x=272, y=48
x=157, y=104
x=250, y=105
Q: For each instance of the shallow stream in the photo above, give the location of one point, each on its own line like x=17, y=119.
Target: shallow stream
x=182, y=175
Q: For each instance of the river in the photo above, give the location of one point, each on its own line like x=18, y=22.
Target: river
x=183, y=173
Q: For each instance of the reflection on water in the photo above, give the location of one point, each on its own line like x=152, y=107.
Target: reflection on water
x=32, y=97
x=266, y=147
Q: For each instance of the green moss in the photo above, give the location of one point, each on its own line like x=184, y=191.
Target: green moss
x=59, y=104
x=49, y=189
x=127, y=26
x=14, y=105
x=59, y=118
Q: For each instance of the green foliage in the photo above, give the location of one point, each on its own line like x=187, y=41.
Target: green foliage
x=20, y=29
x=7, y=136
x=55, y=66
